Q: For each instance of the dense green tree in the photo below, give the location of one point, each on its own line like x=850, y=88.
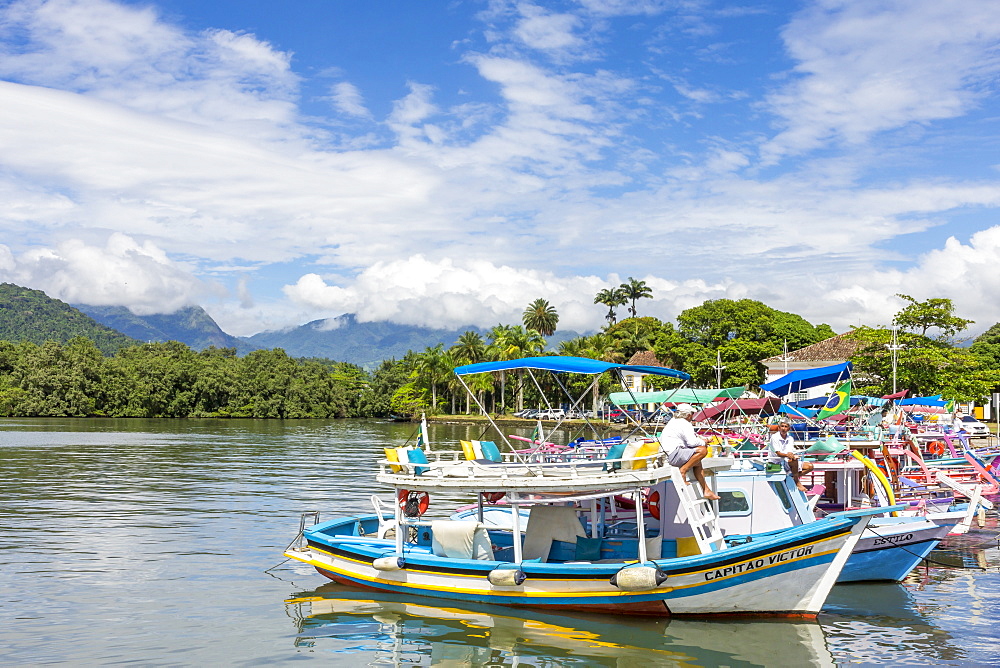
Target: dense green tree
x=935, y=313
x=924, y=365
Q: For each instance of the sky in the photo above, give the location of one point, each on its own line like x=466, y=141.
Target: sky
x=446, y=163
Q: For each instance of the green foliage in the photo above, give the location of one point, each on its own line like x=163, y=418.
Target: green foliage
x=612, y=298
x=918, y=317
x=171, y=380
x=633, y=291
x=924, y=365
x=541, y=317
x=30, y=315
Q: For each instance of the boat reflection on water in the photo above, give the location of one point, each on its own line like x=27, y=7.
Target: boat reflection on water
x=874, y=622
x=394, y=630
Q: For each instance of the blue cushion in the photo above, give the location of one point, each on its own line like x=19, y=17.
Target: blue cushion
x=417, y=456
x=588, y=549
x=490, y=450
x=616, y=451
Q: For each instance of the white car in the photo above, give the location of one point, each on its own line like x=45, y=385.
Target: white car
x=973, y=426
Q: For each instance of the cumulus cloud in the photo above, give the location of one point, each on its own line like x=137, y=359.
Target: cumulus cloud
x=964, y=272
x=456, y=293
x=120, y=272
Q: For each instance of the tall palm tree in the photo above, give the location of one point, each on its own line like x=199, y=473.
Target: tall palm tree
x=469, y=348
x=431, y=367
x=514, y=342
x=541, y=317
x=612, y=298
x=634, y=290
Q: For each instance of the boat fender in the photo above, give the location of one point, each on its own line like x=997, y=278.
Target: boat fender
x=389, y=564
x=506, y=577
x=654, y=505
x=493, y=497
x=638, y=578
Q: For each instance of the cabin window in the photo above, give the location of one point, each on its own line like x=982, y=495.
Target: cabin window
x=779, y=489
x=733, y=502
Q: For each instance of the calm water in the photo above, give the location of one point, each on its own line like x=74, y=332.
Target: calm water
x=154, y=542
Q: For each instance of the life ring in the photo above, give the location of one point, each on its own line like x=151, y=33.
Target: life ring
x=493, y=497
x=936, y=447
x=413, y=504
x=654, y=505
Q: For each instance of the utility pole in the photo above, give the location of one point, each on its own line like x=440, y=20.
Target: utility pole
x=895, y=348
x=785, y=357
x=718, y=368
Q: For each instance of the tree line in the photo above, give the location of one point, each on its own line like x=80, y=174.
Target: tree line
x=169, y=379
x=719, y=343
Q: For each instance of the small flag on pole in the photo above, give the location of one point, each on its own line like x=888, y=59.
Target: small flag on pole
x=838, y=402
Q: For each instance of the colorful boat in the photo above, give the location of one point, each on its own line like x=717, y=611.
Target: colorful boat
x=570, y=557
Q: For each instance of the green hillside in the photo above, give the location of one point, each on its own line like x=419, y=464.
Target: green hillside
x=31, y=315
x=190, y=325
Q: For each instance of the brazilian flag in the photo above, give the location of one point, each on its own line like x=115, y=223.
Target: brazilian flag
x=838, y=402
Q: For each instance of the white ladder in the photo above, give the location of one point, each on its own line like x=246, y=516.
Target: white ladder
x=700, y=514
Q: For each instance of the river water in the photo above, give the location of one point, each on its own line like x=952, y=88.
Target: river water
x=159, y=542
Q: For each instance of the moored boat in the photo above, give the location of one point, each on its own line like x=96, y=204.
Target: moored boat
x=570, y=557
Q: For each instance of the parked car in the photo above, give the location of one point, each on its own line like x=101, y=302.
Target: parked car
x=974, y=427
x=527, y=413
x=551, y=414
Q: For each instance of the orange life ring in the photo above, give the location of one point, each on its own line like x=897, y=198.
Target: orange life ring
x=936, y=447
x=493, y=497
x=654, y=505
x=413, y=504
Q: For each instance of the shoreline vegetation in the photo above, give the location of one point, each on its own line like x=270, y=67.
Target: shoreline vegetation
x=720, y=344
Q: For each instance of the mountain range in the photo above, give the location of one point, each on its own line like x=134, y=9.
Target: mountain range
x=27, y=314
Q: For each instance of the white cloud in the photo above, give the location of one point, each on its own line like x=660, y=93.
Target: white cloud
x=546, y=31
x=122, y=272
x=347, y=98
x=965, y=273
x=869, y=67
x=191, y=147
x=456, y=293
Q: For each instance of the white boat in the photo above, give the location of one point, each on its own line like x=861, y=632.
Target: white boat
x=569, y=557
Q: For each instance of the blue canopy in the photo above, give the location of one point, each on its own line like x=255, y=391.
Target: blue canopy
x=934, y=400
x=788, y=409
x=802, y=379
x=856, y=399
x=566, y=365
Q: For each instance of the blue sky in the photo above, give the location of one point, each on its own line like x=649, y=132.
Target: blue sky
x=446, y=163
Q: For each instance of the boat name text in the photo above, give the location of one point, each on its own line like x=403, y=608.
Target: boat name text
x=753, y=564
x=884, y=540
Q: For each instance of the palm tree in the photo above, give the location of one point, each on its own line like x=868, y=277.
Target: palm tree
x=541, y=317
x=470, y=348
x=574, y=347
x=431, y=367
x=612, y=298
x=634, y=290
x=514, y=342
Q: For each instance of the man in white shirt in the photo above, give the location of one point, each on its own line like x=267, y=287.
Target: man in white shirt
x=781, y=450
x=684, y=448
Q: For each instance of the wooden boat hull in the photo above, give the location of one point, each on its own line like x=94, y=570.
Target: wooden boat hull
x=787, y=574
x=890, y=548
